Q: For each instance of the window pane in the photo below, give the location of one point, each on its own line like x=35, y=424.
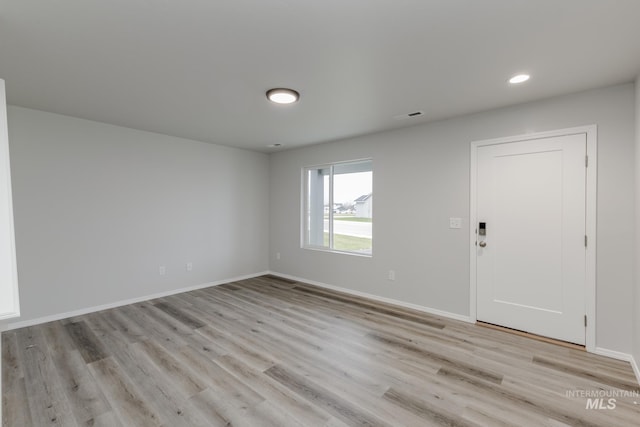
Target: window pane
x=353, y=208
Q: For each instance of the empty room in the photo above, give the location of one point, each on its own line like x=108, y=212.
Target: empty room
x=188, y=233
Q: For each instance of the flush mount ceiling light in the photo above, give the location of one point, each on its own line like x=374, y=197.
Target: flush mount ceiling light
x=519, y=78
x=283, y=95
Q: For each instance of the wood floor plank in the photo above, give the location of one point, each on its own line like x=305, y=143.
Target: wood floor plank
x=364, y=395
x=124, y=397
x=448, y=365
x=158, y=388
x=217, y=409
x=153, y=329
x=108, y=419
x=181, y=375
x=179, y=315
x=220, y=380
x=429, y=412
x=15, y=403
x=280, y=396
x=277, y=280
x=237, y=346
x=86, y=342
x=16, y=410
x=48, y=403
x=545, y=404
x=125, y=326
x=268, y=415
x=12, y=369
x=85, y=398
x=627, y=384
x=318, y=395
x=272, y=352
x=375, y=308
x=275, y=335
x=483, y=417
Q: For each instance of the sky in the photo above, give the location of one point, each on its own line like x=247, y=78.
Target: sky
x=349, y=186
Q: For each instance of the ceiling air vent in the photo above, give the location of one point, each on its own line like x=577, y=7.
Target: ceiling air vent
x=409, y=115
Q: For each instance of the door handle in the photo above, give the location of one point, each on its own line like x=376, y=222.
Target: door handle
x=482, y=244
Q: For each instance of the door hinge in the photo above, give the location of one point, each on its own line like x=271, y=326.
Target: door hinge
x=586, y=161
x=585, y=320
x=586, y=241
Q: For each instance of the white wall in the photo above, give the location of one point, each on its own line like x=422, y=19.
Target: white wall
x=98, y=209
x=427, y=168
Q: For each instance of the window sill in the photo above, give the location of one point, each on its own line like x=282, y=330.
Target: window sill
x=336, y=251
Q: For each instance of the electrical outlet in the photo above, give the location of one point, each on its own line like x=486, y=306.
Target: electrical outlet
x=278, y=255
x=392, y=275
x=162, y=270
x=189, y=266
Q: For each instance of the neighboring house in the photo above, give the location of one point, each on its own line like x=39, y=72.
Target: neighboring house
x=364, y=206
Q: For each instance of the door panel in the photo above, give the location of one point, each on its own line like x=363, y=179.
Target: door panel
x=531, y=273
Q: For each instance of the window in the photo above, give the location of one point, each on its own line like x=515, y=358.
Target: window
x=338, y=207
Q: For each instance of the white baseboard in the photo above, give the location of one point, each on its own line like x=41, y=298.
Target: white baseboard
x=613, y=354
x=399, y=303
x=620, y=356
x=80, y=312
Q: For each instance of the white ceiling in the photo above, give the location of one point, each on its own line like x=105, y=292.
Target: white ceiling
x=199, y=69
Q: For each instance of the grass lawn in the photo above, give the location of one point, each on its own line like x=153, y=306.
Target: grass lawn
x=351, y=218
x=342, y=242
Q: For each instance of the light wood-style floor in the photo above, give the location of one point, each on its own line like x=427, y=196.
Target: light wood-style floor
x=269, y=352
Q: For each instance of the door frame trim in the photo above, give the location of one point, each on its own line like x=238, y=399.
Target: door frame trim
x=591, y=132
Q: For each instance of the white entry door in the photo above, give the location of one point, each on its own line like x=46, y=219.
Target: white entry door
x=531, y=260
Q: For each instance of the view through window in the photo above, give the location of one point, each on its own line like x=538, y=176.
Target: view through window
x=339, y=207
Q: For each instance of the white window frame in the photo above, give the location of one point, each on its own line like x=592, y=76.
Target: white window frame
x=9, y=299
x=304, y=243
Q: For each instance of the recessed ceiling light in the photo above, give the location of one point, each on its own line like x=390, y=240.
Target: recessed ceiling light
x=283, y=95
x=276, y=145
x=519, y=78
